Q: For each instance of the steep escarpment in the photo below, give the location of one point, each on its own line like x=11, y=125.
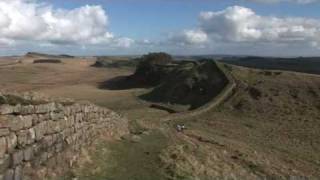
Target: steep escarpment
x=41, y=138
x=181, y=85
x=192, y=84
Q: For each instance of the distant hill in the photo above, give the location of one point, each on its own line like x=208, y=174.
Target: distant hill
x=35, y=54
x=300, y=64
x=114, y=62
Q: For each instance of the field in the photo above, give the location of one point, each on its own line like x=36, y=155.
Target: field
x=268, y=128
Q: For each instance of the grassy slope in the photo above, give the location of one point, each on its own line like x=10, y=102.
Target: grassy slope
x=135, y=158
x=249, y=136
x=272, y=134
x=77, y=80
x=268, y=128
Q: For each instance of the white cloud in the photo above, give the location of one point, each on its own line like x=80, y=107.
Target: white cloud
x=189, y=37
x=239, y=25
x=6, y=42
x=195, y=36
x=29, y=20
x=124, y=42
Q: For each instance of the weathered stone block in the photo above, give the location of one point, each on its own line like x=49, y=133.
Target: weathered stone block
x=62, y=124
x=67, y=110
x=16, y=123
x=40, y=130
x=56, y=116
x=69, y=140
x=29, y=109
x=78, y=117
x=4, y=132
x=44, y=117
x=43, y=157
x=70, y=121
x=22, y=138
x=45, y=108
x=4, y=163
x=55, y=138
x=9, y=174
x=6, y=109
x=51, y=152
x=3, y=146
x=12, y=141
x=27, y=121
x=31, y=136
x=53, y=127
x=47, y=141
x=28, y=153
x=76, y=108
x=59, y=147
x=17, y=158
x=26, y=137
x=35, y=119
x=67, y=132
x=17, y=109
x=59, y=107
x=18, y=173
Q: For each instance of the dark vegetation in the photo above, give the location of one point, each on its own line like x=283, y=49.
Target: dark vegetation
x=15, y=100
x=187, y=83
x=149, y=71
x=106, y=62
x=54, y=61
x=35, y=54
x=153, y=68
x=300, y=64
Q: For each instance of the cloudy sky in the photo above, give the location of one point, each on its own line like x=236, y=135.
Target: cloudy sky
x=124, y=27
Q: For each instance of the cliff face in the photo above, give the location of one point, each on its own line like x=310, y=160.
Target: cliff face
x=191, y=84
x=37, y=135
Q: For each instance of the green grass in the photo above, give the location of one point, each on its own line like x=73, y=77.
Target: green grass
x=126, y=159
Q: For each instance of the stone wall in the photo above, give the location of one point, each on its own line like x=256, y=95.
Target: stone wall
x=38, y=136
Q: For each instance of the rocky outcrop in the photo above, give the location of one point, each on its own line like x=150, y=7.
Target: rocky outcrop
x=37, y=136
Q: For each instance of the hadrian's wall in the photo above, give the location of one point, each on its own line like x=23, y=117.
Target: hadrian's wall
x=37, y=136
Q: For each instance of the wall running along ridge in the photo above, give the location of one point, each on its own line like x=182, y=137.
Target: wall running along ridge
x=35, y=139
x=226, y=92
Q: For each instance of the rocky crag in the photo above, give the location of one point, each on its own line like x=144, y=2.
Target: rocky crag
x=41, y=138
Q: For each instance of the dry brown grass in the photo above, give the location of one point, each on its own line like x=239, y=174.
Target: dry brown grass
x=268, y=128
x=76, y=79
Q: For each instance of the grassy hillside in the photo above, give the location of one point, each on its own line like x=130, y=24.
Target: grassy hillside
x=267, y=129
